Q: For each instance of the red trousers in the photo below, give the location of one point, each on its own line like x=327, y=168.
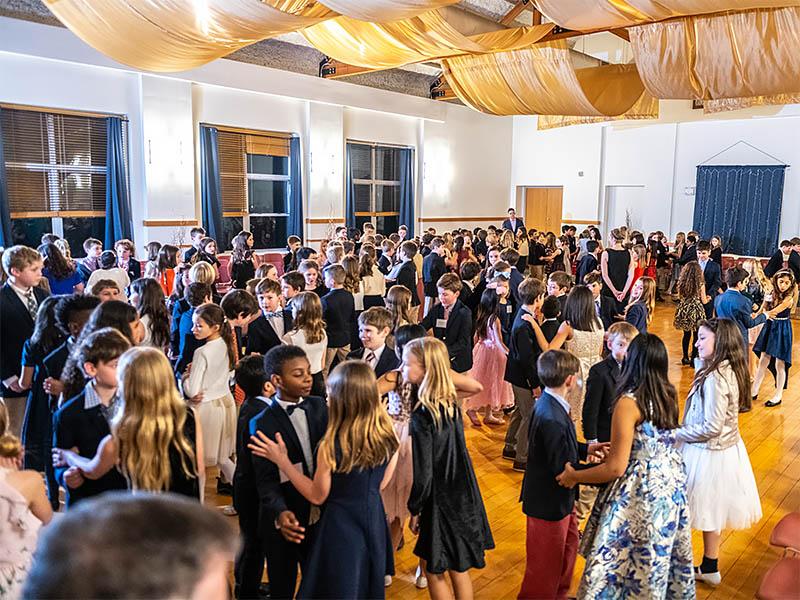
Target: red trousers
x=551, y=548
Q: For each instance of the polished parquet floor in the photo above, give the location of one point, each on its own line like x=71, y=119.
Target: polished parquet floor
x=772, y=437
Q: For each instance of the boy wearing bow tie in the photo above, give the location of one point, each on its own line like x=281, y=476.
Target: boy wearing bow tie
x=267, y=330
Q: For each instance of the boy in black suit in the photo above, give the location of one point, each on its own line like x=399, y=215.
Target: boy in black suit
x=293, y=242
x=552, y=528
x=385, y=259
x=521, y=372
x=433, y=268
x=605, y=306
x=339, y=313
x=266, y=331
x=374, y=324
x=712, y=275
x=451, y=322
x=292, y=283
x=550, y=311
x=589, y=261
x=406, y=274
x=511, y=256
x=470, y=276
x=558, y=285
x=19, y=302
x=83, y=422
x=786, y=254
x=249, y=566
x=286, y=518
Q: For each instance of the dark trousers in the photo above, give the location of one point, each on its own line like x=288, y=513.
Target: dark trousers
x=709, y=308
x=551, y=548
x=318, y=385
x=249, y=567
x=283, y=559
x=690, y=338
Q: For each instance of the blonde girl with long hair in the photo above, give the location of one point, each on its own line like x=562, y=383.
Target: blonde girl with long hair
x=642, y=303
x=207, y=385
x=308, y=332
x=445, y=498
x=155, y=440
x=507, y=239
x=398, y=303
x=356, y=457
x=757, y=288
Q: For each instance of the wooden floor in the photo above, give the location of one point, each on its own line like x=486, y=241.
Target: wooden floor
x=772, y=437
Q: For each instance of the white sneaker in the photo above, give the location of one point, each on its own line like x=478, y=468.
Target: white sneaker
x=421, y=581
x=710, y=578
x=387, y=580
x=229, y=511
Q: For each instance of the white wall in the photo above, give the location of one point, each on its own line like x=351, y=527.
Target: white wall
x=463, y=157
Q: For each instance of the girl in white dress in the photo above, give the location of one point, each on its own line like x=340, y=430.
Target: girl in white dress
x=207, y=384
x=308, y=333
x=720, y=484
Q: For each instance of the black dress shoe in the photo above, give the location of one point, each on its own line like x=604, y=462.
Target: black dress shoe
x=772, y=403
x=519, y=466
x=509, y=454
x=224, y=489
x=686, y=362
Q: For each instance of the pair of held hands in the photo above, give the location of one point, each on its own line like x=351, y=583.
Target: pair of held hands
x=73, y=476
x=596, y=454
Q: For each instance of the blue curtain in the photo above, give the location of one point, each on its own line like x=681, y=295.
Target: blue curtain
x=6, y=236
x=210, y=188
x=407, y=190
x=295, y=224
x=350, y=194
x=742, y=204
x=119, y=223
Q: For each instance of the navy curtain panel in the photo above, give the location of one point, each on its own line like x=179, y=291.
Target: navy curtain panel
x=407, y=190
x=295, y=224
x=210, y=188
x=6, y=236
x=742, y=204
x=119, y=223
x=350, y=194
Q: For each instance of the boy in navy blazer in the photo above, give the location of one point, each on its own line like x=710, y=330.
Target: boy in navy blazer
x=266, y=331
x=451, y=322
x=588, y=262
x=19, y=301
x=286, y=518
x=406, y=274
x=737, y=307
x=433, y=268
x=605, y=307
x=339, y=313
x=712, y=274
x=552, y=528
x=374, y=324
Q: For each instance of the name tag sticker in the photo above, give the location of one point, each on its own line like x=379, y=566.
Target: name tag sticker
x=285, y=478
x=508, y=308
x=441, y=324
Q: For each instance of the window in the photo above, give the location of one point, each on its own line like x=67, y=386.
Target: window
x=255, y=182
x=376, y=185
x=56, y=171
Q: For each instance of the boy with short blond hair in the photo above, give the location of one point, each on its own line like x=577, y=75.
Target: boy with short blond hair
x=374, y=324
x=451, y=322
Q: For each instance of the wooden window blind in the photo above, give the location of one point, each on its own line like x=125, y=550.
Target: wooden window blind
x=55, y=163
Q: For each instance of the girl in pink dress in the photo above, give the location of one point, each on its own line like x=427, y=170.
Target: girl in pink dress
x=489, y=363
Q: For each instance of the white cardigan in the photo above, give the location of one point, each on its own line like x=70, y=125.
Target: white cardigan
x=210, y=373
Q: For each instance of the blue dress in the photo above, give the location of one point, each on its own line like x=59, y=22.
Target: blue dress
x=352, y=550
x=62, y=286
x=776, y=337
x=638, y=542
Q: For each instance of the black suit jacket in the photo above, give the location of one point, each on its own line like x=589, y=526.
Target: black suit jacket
x=518, y=224
x=339, y=312
x=608, y=308
x=712, y=275
x=245, y=492
x=75, y=426
x=384, y=264
x=552, y=443
x=601, y=385
x=470, y=299
x=433, y=268
x=775, y=264
x=387, y=362
x=689, y=254
x=587, y=264
x=16, y=326
x=457, y=335
x=276, y=497
x=407, y=276
x=134, y=269
x=523, y=352
x=261, y=337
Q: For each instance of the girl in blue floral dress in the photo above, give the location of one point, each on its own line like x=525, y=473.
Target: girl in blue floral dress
x=637, y=542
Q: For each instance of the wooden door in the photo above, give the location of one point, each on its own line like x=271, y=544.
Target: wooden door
x=543, y=209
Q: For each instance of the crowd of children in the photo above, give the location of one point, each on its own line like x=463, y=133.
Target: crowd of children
x=329, y=397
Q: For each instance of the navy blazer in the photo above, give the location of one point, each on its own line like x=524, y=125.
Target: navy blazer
x=712, y=275
x=245, y=492
x=407, y=276
x=513, y=283
x=523, y=352
x=601, y=391
x=608, y=309
x=433, y=268
x=775, y=264
x=518, y=224
x=552, y=443
x=737, y=307
x=587, y=264
x=76, y=426
x=339, y=313
x=261, y=337
x=387, y=362
x=637, y=316
x=276, y=496
x=457, y=335
x=16, y=326
x=689, y=254
x=384, y=264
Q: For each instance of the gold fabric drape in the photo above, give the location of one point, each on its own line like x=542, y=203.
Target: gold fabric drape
x=424, y=37
x=382, y=11
x=724, y=56
x=541, y=80
x=646, y=107
x=586, y=15
x=725, y=104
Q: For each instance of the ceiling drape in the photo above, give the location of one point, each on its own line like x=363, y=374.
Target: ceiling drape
x=729, y=55
x=646, y=107
x=381, y=11
x=425, y=37
x=542, y=80
x=585, y=15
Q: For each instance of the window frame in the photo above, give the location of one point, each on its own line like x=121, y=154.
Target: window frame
x=373, y=214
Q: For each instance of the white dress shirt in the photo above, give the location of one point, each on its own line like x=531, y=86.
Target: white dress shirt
x=276, y=321
x=564, y=404
x=300, y=423
x=377, y=353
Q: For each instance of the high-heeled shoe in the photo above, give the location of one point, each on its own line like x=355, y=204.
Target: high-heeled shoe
x=686, y=362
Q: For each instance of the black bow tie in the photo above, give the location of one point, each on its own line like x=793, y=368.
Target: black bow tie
x=293, y=407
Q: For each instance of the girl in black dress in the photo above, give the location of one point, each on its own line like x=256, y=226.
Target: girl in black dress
x=617, y=268
x=243, y=268
x=445, y=504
